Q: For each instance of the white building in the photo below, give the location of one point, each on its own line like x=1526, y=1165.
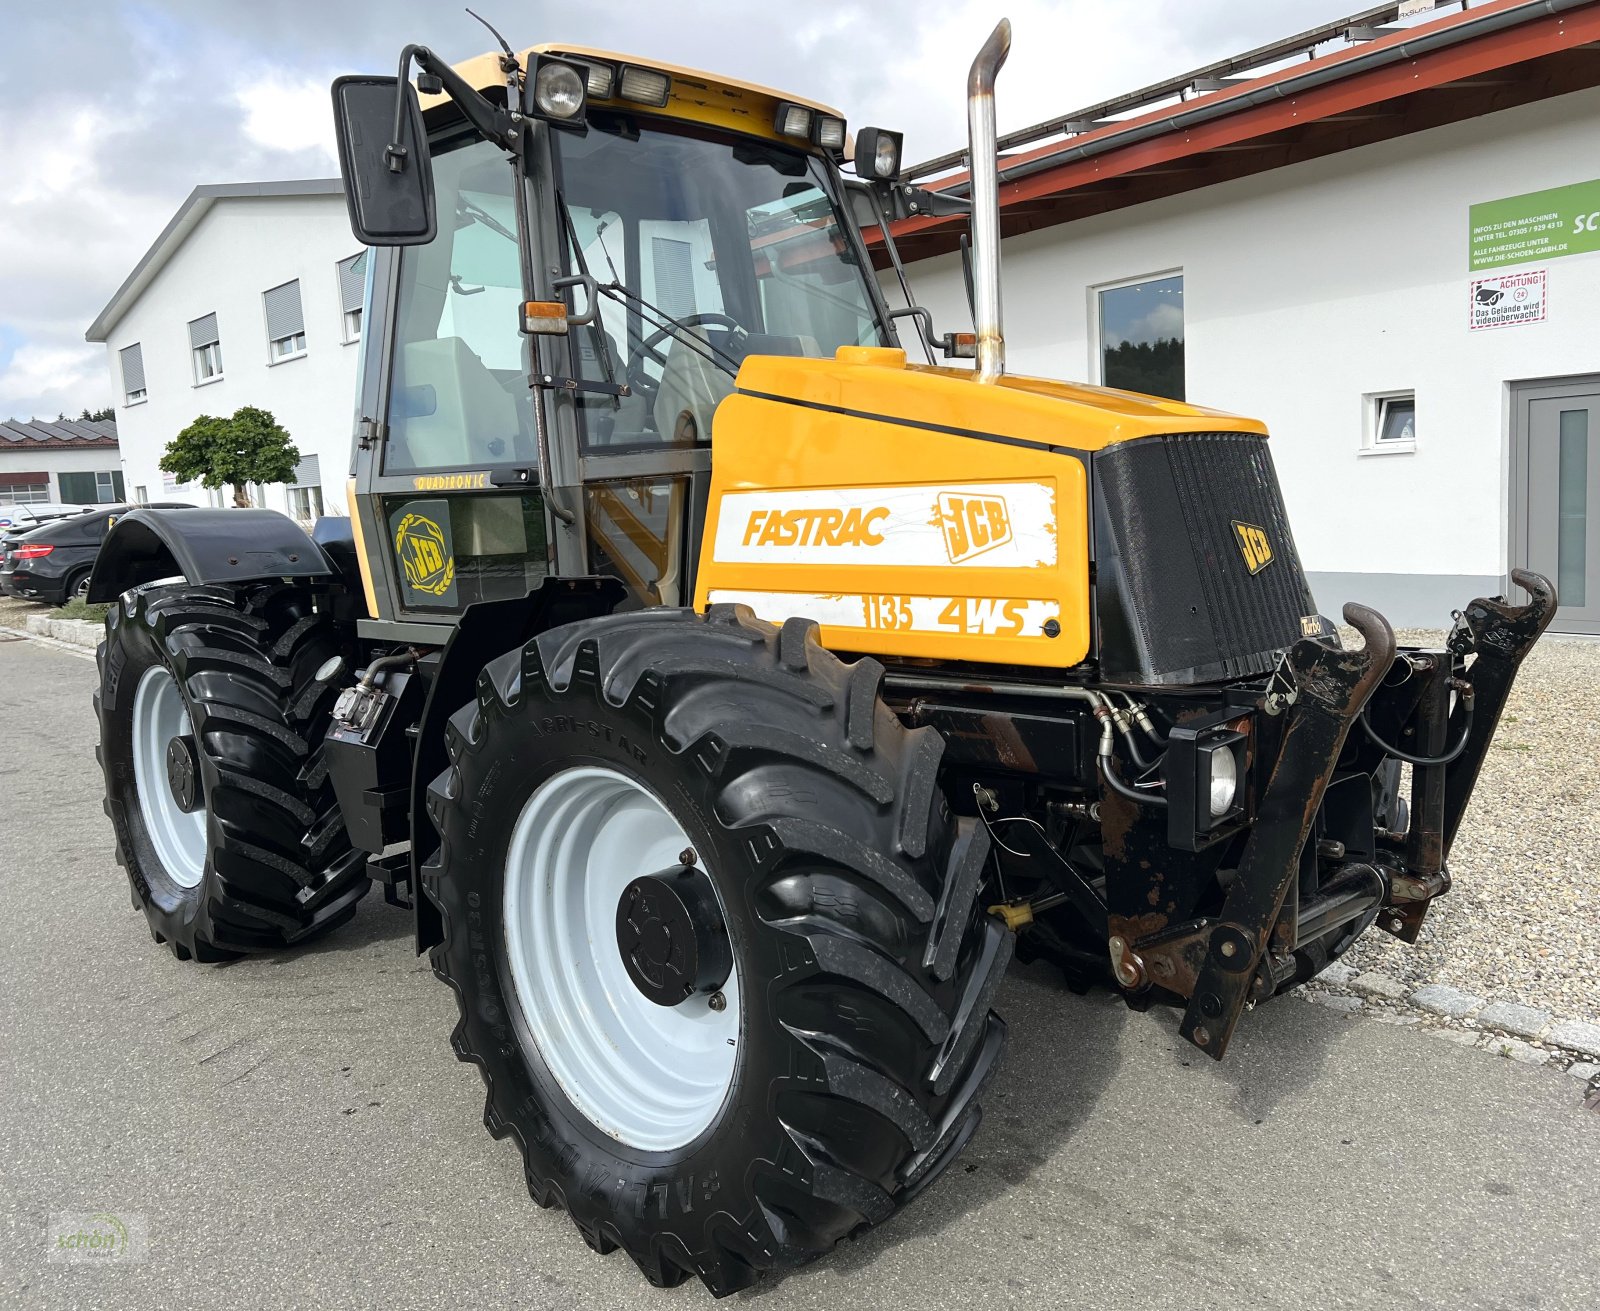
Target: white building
x=1390, y=252
x=251, y=295
x=62, y=462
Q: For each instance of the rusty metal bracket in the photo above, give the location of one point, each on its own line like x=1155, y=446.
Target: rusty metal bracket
x=1332, y=685
x=1501, y=635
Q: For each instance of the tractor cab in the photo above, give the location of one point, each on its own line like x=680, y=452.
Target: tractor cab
x=541, y=384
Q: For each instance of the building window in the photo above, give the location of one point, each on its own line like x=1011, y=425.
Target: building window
x=141, y=494
x=286, y=324
x=206, y=348
x=1140, y=330
x=305, y=492
x=132, y=358
x=28, y=493
x=1391, y=426
x=305, y=503
x=103, y=488
x=352, y=290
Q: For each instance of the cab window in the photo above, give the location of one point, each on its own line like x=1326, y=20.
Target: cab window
x=459, y=396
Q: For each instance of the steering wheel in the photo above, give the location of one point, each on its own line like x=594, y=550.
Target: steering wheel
x=641, y=382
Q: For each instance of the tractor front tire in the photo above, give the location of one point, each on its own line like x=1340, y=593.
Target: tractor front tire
x=823, y=890
x=211, y=726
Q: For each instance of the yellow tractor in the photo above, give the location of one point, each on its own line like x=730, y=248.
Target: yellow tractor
x=728, y=697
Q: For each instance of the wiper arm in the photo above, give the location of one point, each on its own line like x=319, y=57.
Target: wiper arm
x=479, y=215
x=701, y=346
x=606, y=363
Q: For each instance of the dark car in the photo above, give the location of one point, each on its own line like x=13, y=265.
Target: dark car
x=52, y=563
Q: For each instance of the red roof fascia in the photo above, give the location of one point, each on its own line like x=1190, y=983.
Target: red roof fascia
x=1474, y=58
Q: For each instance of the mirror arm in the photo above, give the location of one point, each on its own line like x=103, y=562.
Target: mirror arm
x=493, y=122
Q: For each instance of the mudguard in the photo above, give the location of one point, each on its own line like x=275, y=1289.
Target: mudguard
x=203, y=546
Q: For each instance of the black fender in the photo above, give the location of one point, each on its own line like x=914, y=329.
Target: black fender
x=486, y=630
x=203, y=546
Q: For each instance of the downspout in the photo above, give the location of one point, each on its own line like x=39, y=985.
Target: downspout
x=985, y=165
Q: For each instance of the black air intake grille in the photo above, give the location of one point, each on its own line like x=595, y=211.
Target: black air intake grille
x=1177, y=601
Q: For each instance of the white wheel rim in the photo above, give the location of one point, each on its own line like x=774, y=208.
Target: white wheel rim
x=652, y=1077
x=159, y=715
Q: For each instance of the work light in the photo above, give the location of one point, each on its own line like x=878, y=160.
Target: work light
x=830, y=132
x=598, y=79
x=1204, y=769
x=878, y=153
x=558, y=90
x=793, y=121
x=645, y=85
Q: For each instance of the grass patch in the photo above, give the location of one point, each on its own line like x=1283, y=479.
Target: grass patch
x=80, y=609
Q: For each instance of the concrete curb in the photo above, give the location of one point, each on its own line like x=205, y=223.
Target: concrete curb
x=1510, y=1029
x=68, y=648
x=72, y=632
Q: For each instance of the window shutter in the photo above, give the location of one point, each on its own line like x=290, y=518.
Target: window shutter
x=132, y=368
x=308, y=473
x=203, y=331
x=284, y=316
x=674, y=276
x=352, y=281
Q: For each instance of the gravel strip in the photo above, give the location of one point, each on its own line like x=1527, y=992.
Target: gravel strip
x=1522, y=921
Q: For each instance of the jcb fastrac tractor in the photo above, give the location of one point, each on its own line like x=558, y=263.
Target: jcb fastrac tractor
x=728, y=697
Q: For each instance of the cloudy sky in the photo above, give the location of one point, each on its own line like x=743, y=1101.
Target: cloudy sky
x=112, y=110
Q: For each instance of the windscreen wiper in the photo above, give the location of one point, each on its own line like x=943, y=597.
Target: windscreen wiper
x=680, y=330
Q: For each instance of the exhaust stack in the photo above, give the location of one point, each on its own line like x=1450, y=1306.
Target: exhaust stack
x=985, y=169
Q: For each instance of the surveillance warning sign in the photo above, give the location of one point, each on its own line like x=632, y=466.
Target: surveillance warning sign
x=1508, y=301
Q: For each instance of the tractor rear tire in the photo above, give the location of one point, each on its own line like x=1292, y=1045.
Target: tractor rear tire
x=211, y=726
x=856, y=1016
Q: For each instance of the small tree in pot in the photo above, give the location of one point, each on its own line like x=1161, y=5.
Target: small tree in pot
x=250, y=447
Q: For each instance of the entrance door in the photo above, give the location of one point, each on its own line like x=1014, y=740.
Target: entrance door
x=1556, y=485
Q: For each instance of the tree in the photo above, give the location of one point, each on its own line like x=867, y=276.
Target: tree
x=97, y=416
x=251, y=447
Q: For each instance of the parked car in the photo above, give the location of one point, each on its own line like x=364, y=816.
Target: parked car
x=52, y=563
x=20, y=518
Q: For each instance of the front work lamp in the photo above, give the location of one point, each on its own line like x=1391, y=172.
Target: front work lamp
x=1205, y=775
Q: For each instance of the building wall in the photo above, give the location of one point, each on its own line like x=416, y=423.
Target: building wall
x=55, y=462
x=1307, y=288
x=240, y=249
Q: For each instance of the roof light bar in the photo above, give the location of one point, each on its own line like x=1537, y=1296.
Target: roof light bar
x=830, y=132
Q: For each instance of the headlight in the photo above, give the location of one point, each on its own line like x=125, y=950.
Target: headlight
x=1204, y=770
x=558, y=91
x=877, y=153
x=1224, y=782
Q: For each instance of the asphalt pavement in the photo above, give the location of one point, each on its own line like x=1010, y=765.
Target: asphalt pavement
x=295, y=1131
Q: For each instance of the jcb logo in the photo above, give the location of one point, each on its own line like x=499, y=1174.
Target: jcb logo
x=972, y=524
x=1253, y=545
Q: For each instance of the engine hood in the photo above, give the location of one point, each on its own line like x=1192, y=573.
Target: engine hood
x=878, y=382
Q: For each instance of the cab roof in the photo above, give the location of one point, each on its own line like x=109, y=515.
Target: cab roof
x=697, y=96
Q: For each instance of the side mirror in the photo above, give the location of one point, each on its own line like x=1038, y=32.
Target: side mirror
x=389, y=191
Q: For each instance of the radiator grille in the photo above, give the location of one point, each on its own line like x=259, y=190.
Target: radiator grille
x=1177, y=524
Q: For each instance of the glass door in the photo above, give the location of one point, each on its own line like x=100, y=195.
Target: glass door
x=1556, y=523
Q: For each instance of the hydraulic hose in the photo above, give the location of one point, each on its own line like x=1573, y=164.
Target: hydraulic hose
x=1456, y=750
x=1133, y=794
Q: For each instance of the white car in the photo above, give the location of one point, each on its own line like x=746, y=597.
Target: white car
x=20, y=518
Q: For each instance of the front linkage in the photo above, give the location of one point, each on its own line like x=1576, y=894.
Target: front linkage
x=1247, y=950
